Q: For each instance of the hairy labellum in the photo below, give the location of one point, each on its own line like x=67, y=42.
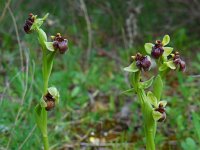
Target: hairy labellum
x=161, y=109
x=60, y=43
x=28, y=23
x=179, y=62
x=142, y=62
x=50, y=101
x=157, y=50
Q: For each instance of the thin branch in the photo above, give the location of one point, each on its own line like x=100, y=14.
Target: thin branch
x=29, y=135
x=89, y=28
x=4, y=10
x=17, y=34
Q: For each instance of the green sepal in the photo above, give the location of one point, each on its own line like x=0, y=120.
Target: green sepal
x=170, y=64
x=148, y=47
x=54, y=93
x=166, y=40
x=167, y=51
x=157, y=87
x=49, y=46
x=146, y=84
x=131, y=68
x=41, y=118
x=156, y=115
x=153, y=100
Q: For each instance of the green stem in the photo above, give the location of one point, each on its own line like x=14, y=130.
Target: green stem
x=149, y=122
x=46, y=75
x=45, y=142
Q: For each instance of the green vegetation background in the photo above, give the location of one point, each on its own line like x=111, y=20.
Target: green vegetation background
x=91, y=78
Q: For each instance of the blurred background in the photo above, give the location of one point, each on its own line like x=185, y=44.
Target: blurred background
x=102, y=36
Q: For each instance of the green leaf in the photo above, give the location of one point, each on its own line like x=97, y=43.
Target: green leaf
x=189, y=143
x=43, y=103
x=163, y=103
x=156, y=115
x=49, y=46
x=170, y=64
x=157, y=87
x=41, y=119
x=152, y=99
x=167, y=51
x=148, y=47
x=166, y=40
x=76, y=91
x=196, y=123
x=146, y=84
x=163, y=67
x=42, y=36
x=128, y=91
x=131, y=68
x=50, y=58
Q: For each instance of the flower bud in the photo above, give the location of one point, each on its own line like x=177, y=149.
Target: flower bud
x=157, y=50
x=28, y=23
x=60, y=43
x=161, y=110
x=50, y=101
x=142, y=62
x=179, y=62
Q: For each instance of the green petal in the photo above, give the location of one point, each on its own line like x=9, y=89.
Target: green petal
x=131, y=68
x=167, y=51
x=148, y=47
x=170, y=64
x=165, y=40
x=152, y=99
x=156, y=115
x=49, y=46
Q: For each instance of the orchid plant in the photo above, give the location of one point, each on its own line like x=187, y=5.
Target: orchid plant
x=153, y=107
x=50, y=96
